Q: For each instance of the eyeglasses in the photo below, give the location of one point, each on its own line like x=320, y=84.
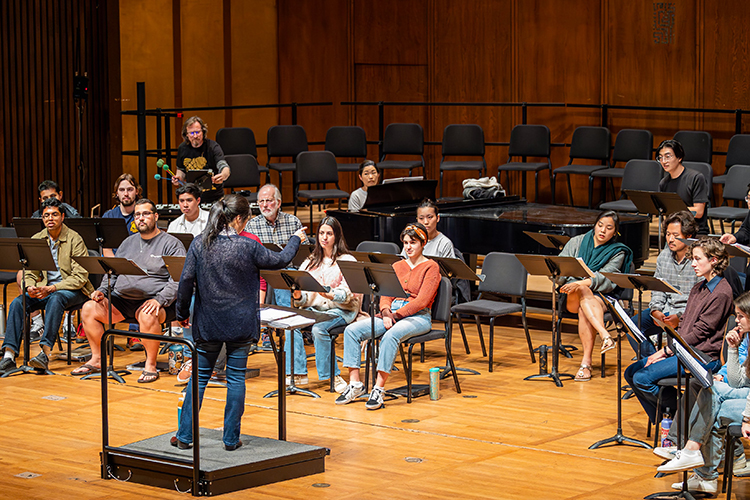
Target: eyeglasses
x=194, y=134
x=665, y=157
x=51, y=216
x=142, y=215
x=747, y=198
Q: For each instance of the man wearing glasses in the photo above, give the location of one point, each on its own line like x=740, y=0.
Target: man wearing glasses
x=690, y=185
x=53, y=291
x=198, y=152
x=149, y=299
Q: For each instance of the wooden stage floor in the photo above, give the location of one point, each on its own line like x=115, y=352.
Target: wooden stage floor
x=501, y=438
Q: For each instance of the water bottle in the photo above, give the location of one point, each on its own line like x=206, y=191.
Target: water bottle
x=179, y=407
x=434, y=384
x=175, y=358
x=666, y=423
x=2, y=321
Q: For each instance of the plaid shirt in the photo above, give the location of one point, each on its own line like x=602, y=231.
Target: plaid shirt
x=278, y=232
x=678, y=274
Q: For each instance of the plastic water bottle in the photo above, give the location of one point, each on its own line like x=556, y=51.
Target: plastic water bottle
x=666, y=423
x=175, y=358
x=2, y=321
x=179, y=406
x=434, y=384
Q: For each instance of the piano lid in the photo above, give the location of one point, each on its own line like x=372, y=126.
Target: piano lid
x=399, y=193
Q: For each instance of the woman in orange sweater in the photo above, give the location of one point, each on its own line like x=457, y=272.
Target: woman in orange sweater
x=399, y=319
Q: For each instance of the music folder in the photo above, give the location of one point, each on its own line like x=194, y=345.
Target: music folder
x=687, y=355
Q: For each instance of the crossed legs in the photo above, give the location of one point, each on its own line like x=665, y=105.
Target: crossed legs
x=590, y=310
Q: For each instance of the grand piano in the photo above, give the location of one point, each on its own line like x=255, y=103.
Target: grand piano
x=478, y=227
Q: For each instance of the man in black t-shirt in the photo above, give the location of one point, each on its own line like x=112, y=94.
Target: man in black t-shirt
x=197, y=152
x=690, y=185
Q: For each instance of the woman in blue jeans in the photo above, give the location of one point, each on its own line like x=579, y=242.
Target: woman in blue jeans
x=339, y=303
x=223, y=268
x=399, y=319
x=717, y=407
x=706, y=312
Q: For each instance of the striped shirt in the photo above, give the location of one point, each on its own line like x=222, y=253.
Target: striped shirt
x=678, y=274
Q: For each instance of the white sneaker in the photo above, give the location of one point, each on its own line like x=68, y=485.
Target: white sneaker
x=339, y=384
x=376, y=399
x=37, y=324
x=352, y=392
x=683, y=460
x=665, y=452
x=298, y=380
x=697, y=483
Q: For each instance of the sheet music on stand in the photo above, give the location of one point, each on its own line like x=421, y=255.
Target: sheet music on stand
x=687, y=355
x=626, y=319
x=734, y=250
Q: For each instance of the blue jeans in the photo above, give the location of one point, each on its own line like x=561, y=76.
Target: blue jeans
x=728, y=412
x=187, y=331
x=648, y=328
x=323, y=346
x=402, y=329
x=284, y=298
x=642, y=379
x=53, y=304
x=235, y=405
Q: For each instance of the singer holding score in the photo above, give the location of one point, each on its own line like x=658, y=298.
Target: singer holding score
x=197, y=152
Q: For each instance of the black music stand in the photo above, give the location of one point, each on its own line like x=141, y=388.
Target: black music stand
x=26, y=227
x=23, y=254
x=377, y=257
x=656, y=203
x=302, y=254
x=553, y=268
x=99, y=233
x=549, y=240
x=186, y=239
x=109, y=266
x=621, y=321
x=375, y=280
x=455, y=269
x=688, y=358
x=303, y=281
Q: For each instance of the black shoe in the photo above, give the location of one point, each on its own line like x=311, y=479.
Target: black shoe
x=6, y=365
x=36, y=336
x=179, y=444
x=40, y=361
x=233, y=447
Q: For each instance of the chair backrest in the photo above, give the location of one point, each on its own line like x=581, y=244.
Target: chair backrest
x=642, y=175
x=95, y=279
x=237, y=141
x=8, y=232
x=633, y=144
x=379, y=246
x=244, y=170
x=316, y=167
x=735, y=188
x=503, y=274
x=403, y=139
x=591, y=143
x=463, y=140
x=441, y=307
x=529, y=140
x=347, y=142
x=286, y=140
x=702, y=168
x=738, y=151
x=698, y=145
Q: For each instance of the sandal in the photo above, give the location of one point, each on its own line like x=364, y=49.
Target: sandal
x=148, y=377
x=134, y=344
x=584, y=374
x=608, y=343
x=86, y=369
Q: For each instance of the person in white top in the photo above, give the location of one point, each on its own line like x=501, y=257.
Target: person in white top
x=193, y=219
x=438, y=244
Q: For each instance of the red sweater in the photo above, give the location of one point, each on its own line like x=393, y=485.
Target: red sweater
x=246, y=234
x=421, y=283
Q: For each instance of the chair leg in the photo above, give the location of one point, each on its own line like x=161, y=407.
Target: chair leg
x=604, y=359
x=481, y=336
x=553, y=191
x=421, y=352
x=528, y=336
x=312, y=231
x=658, y=410
x=726, y=482
x=449, y=353
x=591, y=191
x=333, y=363
x=492, y=340
x=463, y=333
x=570, y=192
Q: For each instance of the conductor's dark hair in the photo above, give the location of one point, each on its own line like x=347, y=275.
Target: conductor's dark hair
x=686, y=220
x=222, y=213
x=48, y=184
x=679, y=151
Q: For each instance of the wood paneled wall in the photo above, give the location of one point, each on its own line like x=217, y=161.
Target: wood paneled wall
x=43, y=43
x=577, y=51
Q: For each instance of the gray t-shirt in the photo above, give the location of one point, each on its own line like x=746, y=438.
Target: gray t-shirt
x=357, y=200
x=439, y=246
x=147, y=254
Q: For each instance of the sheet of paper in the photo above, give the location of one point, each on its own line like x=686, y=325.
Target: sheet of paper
x=268, y=314
x=692, y=364
x=292, y=322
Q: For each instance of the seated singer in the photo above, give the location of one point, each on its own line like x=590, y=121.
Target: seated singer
x=369, y=174
x=706, y=313
x=399, y=319
x=340, y=304
x=223, y=268
x=148, y=299
x=601, y=254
